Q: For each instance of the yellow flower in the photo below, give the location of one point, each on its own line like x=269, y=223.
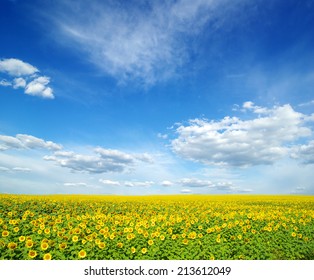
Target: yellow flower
x=239, y=236
x=102, y=245
x=119, y=245
x=150, y=242
x=5, y=233
x=47, y=257
x=173, y=237
x=16, y=229
x=133, y=250
x=47, y=230
x=162, y=237
x=22, y=238
x=82, y=254
x=12, y=245
x=144, y=250
x=75, y=238
x=29, y=243
x=185, y=241
x=218, y=240
x=44, y=246
x=32, y=254
x=62, y=246
x=293, y=234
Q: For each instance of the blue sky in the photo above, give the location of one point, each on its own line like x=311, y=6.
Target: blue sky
x=157, y=97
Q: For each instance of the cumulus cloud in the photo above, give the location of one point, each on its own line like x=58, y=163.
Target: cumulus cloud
x=305, y=153
x=24, y=141
x=38, y=87
x=102, y=161
x=138, y=41
x=15, y=67
x=19, y=83
x=231, y=141
x=31, y=83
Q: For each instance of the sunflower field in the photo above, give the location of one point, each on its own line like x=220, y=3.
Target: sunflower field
x=182, y=227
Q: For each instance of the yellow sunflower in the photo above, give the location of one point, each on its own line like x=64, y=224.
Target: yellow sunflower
x=82, y=254
x=47, y=257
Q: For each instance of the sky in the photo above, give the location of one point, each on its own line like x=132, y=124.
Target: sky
x=157, y=97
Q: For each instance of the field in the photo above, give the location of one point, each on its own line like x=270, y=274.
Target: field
x=181, y=227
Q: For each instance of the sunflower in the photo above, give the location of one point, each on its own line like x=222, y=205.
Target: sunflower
x=185, y=241
x=47, y=231
x=44, y=246
x=16, y=229
x=62, y=246
x=32, y=254
x=47, y=257
x=12, y=245
x=293, y=234
x=29, y=243
x=82, y=254
x=102, y=245
x=74, y=238
x=133, y=250
x=22, y=238
x=144, y=250
x=150, y=242
x=119, y=245
x=5, y=233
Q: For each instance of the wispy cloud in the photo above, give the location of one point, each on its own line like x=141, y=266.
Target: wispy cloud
x=26, y=77
x=145, y=41
x=235, y=142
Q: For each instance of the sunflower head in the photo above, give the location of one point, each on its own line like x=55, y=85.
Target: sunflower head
x=47, y=257
x=82, y=254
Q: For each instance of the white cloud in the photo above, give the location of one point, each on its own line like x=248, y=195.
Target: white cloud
x=14, y=169
x=33, y=85
x=186, y=191
x=232, y=141
x=19, y=83
x=38, y=87
x=4, y=169
x=21, y=169
x=110, y=182
x=5, y=83
x=104, y=160
x=79, y=184
x=16, y=67
x=167, y=183
x=138, y=184
x=304, y=152
x=194, y=183
x=144, y=42
x=24, y=141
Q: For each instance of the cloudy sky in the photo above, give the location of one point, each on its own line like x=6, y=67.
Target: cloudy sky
x=157, y=97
